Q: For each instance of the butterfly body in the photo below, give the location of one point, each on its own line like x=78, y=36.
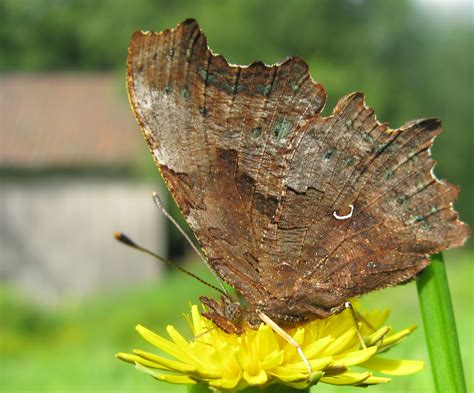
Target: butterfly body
x=298, y=212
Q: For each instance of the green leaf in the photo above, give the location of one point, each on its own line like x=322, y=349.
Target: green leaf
x=440, y=328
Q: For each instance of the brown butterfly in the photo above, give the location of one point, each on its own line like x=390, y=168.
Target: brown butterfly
x=296, y=211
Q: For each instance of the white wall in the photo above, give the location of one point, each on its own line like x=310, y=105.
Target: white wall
x=56, y=236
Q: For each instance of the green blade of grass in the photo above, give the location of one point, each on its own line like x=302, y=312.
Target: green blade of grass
x=440, y=327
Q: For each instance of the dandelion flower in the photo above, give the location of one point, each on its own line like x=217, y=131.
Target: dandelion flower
x=228, y=362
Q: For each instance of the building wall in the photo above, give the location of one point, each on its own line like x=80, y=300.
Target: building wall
x=56, y=236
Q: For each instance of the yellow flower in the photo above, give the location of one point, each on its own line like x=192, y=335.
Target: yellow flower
x=261, y=357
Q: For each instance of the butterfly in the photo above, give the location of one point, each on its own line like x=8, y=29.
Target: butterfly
x=297, y=211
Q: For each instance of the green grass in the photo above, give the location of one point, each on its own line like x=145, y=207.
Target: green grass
x=72, y=349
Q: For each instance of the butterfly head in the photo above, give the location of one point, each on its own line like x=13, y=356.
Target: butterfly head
x=230, y=315
x=226, y=314
x=232, y=310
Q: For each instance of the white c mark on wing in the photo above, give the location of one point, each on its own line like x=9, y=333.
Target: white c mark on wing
x=338, y=217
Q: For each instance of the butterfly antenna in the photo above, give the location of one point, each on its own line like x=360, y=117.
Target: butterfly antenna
x=160, y=205
x=129, y=242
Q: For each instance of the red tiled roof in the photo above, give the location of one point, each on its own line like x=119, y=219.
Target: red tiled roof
x=65, y=120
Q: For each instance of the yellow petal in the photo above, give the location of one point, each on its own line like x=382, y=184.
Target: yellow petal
x=290, y=351
x=161, y=343
x=355, y=357
x=314, y=349
x=230, y=370
x=396, y=338
x=393, y=366
x=255, y=379
x=320, y=364
x=199, y=326
x=134, y=359
x=242, y=356
x=177, y=379
x=265, y=341
x=207, y=369
x=298, y=336
x=375, y=380
x=340, y=343
x=346, y=378
x=272, y=360
x=332, y=370
x=178, y=339
x=376, y=336
x=126, y=357
x=376, y=317
x=166, y=363
x=286, y=375
x=315, y=377
x=226, y=382
x=316, y=364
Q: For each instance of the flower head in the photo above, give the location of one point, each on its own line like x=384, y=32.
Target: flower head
x=261, y=357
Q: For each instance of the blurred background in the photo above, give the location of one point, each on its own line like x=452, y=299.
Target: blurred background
x=74, y=167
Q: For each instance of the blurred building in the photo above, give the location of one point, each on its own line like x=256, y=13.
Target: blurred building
x=68, y=144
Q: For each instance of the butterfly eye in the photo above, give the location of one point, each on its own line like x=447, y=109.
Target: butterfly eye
x=233, y=312
x=338, y=217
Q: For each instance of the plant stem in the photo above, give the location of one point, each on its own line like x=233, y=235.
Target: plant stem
x=440, y=327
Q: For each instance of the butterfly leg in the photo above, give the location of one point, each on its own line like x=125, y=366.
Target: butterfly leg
x=355, y=319
x=277, y=329
x=195, y=338
x=365, y=321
